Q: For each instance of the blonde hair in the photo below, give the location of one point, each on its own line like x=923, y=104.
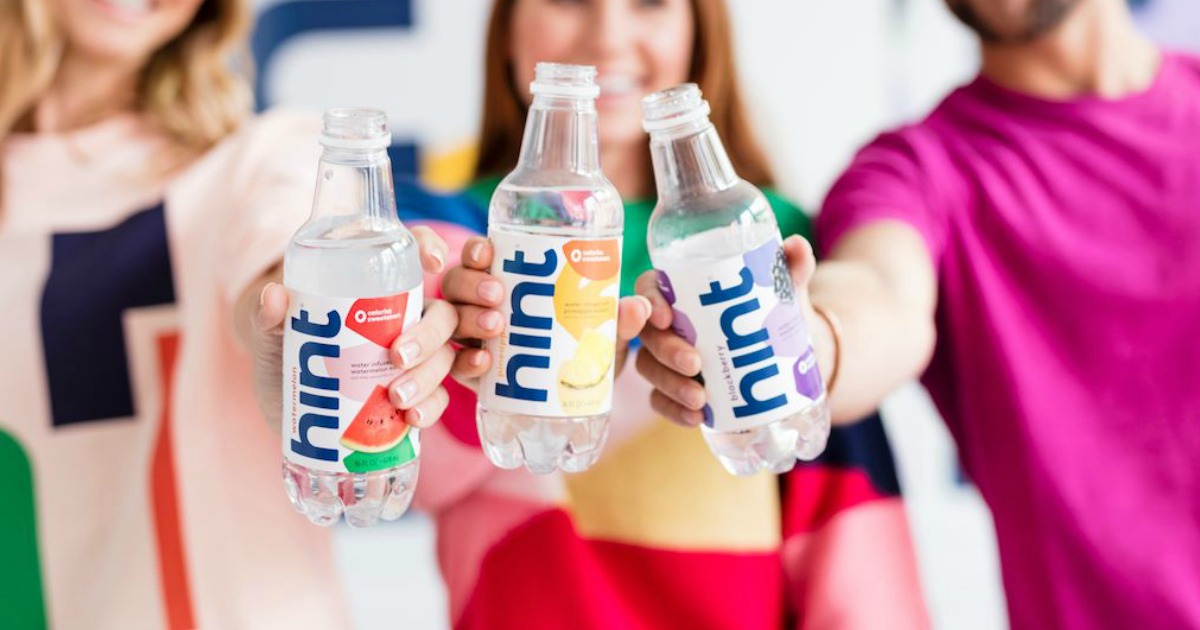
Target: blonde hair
x=190, y=88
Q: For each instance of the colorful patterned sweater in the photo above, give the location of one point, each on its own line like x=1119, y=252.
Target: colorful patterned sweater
x=657, y=535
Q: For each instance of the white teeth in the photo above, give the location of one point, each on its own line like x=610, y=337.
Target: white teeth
x=131, y=5
x=617, y=84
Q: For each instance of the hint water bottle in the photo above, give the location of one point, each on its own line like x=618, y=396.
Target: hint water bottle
x=718, y=252
x=555, y=223
x=354, y=281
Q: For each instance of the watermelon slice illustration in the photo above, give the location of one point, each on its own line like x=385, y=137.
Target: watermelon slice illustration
x=378, y=426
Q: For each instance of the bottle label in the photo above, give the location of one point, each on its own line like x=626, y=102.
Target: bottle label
x=337, y=416
x=555, y=357
x=757, y=360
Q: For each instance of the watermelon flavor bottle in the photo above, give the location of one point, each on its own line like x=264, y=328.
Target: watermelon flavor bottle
x=354, y=281
x=555, y=223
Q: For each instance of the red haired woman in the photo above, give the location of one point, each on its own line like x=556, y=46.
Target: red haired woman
x=656, y=534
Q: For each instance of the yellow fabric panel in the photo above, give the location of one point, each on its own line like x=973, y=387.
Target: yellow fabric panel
x=449, y=171
x=663, y=488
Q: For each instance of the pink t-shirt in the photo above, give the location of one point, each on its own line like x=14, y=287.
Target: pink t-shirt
x=1066, y=238
x=139, y=485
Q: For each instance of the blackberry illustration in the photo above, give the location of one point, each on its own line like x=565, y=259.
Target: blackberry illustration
x=783, y=278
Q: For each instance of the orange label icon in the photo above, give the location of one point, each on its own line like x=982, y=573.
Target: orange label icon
x=595, y=260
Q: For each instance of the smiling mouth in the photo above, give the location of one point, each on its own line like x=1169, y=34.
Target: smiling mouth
x=129, y=8
x=618, y=86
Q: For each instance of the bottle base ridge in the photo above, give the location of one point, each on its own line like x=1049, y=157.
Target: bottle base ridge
x=364, y=499
x=776, y=446
x=542, y=444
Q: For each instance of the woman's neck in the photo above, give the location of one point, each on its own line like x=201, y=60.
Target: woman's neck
x=628, y=168
x=84, y=92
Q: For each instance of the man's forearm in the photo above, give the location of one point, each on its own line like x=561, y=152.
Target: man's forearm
x=885, y=307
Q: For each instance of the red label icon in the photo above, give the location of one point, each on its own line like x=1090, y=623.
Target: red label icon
x=380, y=320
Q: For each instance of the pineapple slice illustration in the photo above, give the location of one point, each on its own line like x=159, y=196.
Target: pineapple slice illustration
x=591, y=362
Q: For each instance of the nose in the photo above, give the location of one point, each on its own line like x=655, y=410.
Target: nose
x=613, y=29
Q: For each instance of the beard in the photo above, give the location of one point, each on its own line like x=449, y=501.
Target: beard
x=1041, y=17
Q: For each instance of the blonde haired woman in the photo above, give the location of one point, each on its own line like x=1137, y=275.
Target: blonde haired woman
x=140, y=218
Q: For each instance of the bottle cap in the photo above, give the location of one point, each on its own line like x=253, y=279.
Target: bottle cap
x=356, y=128
x=674, y=107
x=565, y=81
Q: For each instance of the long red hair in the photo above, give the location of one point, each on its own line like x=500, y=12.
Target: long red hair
x=713, y=68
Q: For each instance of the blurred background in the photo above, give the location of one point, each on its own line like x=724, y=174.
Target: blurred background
x=822, y=78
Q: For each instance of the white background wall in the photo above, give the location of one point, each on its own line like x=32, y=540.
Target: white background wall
x=822, y=78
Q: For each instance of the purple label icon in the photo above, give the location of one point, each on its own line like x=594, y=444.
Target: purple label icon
x=808, y=382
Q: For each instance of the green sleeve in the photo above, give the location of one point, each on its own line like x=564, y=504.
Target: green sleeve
x=792, y=220
x=480, y=192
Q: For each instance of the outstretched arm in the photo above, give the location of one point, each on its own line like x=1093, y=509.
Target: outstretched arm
x=878, y=283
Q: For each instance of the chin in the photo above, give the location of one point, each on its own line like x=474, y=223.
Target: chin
x=112, y=47
x=122, y=31
x=620, y=125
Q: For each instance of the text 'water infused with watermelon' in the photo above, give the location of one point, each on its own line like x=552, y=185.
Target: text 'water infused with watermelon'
x=354, y=282
x=555, y=223
x=716, y=245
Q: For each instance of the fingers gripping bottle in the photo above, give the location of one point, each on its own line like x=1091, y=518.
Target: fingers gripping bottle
x=555, y=223
x=354, y=281
x=717, y=248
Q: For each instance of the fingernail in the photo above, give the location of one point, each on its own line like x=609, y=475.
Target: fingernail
x=687, y=362
x=490, y=290
x=405, y=391
x=693, y=417
x=476, y=252
x=647, y=308
x=489, y=320
x=693, y=397
x=262, y=295
x=477, y=358
x=660, y=308
x=441, y=260
x=415, y=416
x=409, y=351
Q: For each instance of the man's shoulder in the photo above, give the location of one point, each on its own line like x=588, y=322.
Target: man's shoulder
x=1187, y=63
x=927, y=143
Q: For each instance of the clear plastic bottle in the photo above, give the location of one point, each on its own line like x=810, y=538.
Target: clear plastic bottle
x=555, y=223
x=354, y=280
x=717, y=248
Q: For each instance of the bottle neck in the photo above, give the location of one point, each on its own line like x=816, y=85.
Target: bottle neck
x=690, y=161
x=356, y=183
x=561, y=134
